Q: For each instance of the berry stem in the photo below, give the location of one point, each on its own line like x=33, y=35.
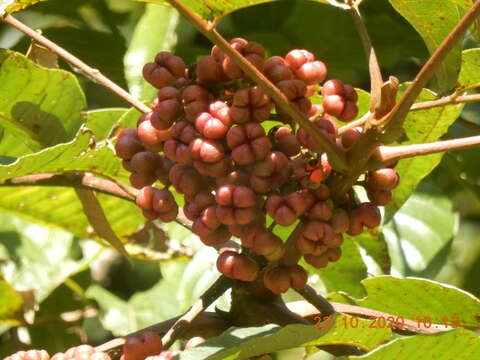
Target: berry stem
x=388, y=154
x=217, y=289
x=72, y=59
x=394, y=120
x=335, y=155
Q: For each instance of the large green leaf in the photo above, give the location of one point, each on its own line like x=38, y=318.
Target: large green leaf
x=103, y=121
x=434, y=19
x=375, y=247
x=10, y=302
x=420, y=229
x=470, y=74
x=343, y=275
x=38, y=107
x=242, y=343
x=459, y=344
x=154, y=32
x=420, y=126
x=423, y=298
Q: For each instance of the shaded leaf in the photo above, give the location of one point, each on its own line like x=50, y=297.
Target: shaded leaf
x=420, y=126
x=103, y=121
x=242, y=343
x=154, y=32
x=10, y=303
x=420, y=229
x=459, y=344
x=433, y=20
x=375, y=246
x=38, y=107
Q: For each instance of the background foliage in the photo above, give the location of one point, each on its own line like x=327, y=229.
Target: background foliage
x=58, y=287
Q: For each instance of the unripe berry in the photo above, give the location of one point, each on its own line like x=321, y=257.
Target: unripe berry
x=314, y=238
x=366, y=214
x=207, y=222
x=317, y=261
x=320, y=211
x=351, y=136
x=340, y=221
x=185, y=179
x=277, y=279
x=276, y=69
x=140, y=180
x=237, y=266
x=325, y=126
x=209, y=71
x=235, y=195
x=263, y=242
x=248, y=143
x=296, y=91
x=234, y=177
x=285, y=141
x=141, y=346
x=379, y=197
x=285, y=210
x=333, y=255
x=270, y=173
x=128, y=144
x=195, y=101
x=215, y=123
x=166, y=107
x=194, y=207
x=251, y=104
x=165, y=71
x=29, y=355
x=177, y=149
x=339, y=100
x=382, y=179
x=144, y=162
x=218, y=237
x=150, y=135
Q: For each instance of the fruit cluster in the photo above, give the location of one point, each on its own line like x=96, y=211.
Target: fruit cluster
x=219, y=140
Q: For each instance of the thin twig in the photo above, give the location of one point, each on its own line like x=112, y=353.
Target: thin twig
x=181, y=325
x=447, y=100
x=335, y=154
x=93, y=73
x=388, y=154
x=317, y=300
x=398, y=114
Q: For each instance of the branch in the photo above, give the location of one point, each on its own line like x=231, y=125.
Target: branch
x=396, y=117
x=317, y=300
x=93, y=73
x=335, y=155
x=448, y=100
x=388, y=154
x=182, y=324
x=86, y=181
x=376, y=80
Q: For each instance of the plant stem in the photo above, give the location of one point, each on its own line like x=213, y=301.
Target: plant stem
x=335, y=155
x=93, y=73
x=388, y=154
x=447, y=100
x=181, y=325
x=317, y=300
x=398, y=114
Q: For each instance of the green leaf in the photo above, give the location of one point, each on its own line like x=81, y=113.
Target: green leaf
x=470, y=74
x=215, y=9
x=10, y=6
x=433, y=20
x=375, y=246
x=10, y=302
x=154, y=32
x=420, y=229
x=343, y=275
x=412, y=297
x=38, y=107
x=459, y=344
x=242, y=343
x=103, y=121
x=40, y=259
x=420, y=126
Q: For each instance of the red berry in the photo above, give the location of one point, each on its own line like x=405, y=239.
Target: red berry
x=248, y=143
x=251, y=104
x=237, y=266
